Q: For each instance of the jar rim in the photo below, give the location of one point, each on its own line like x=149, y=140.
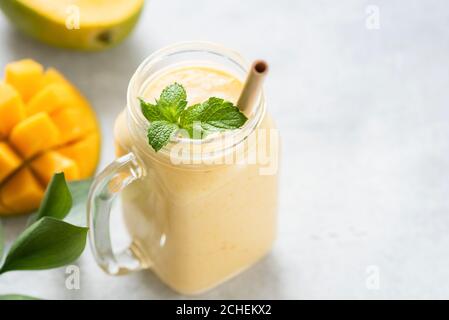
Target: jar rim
x=134, y=110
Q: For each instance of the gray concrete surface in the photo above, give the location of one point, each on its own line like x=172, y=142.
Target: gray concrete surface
x=363, y=115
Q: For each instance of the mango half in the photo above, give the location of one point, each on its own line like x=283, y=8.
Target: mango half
x=79, y=24
x=46, y=126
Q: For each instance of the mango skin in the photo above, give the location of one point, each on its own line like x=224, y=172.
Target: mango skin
x=55, y=131
x=87, y=38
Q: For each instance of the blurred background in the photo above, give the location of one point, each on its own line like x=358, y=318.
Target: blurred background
x=360, y=93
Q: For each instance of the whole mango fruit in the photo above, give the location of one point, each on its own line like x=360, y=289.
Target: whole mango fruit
x=79, y=24
x=46, y=126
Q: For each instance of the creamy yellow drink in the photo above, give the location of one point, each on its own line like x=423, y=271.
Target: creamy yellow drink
x=197, y=225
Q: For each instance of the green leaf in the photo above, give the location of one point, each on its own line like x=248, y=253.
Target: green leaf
x=189, y=116
x=169, y=114
x=57, y=199
x=150, y=111
x=17, y=297
x=213, y=115
x=79, y=190
x=172, y=101
x=160, y=132
x=174, y=97
x=47, y=243
x=170, y=104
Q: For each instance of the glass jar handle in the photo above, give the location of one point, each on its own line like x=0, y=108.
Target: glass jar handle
x=104, y=190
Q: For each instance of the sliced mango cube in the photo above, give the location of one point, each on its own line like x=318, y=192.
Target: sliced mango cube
x=46, y=126
x=85, y=153
x=22, y=193
x=26, y=76
x=52, y=76
x=73, y=124
x=35, y=134
x=12, y=110
x=52, y=162
x=9, y=160
x=50, y=99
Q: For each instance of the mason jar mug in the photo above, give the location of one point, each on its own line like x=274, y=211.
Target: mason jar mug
x=198, y=211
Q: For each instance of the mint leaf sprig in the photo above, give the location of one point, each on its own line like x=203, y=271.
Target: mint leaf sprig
x=170, y=113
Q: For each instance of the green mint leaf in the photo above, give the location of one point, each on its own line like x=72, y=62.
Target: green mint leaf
x=189, y=116
x=57, y=199
x=213, y=115
x=172, y=101
x=170, y=114
x=16, y=297
x=170, y=104
x=47, y=243
x=150, y=111
x=173, y=96
x=160, y=132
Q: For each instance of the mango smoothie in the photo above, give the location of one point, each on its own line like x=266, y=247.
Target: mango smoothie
x=197, y=224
